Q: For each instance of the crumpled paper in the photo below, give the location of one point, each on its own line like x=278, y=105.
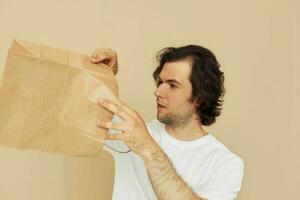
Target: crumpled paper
x=48, y=100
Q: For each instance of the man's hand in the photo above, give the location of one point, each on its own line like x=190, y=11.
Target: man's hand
x=134, y=131
x=107, y=57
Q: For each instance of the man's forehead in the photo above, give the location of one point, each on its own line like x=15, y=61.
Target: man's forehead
x=179, y=70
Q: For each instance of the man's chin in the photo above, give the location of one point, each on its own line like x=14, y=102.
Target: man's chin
x=159, y=117
x=163, y=118
x=160, y=120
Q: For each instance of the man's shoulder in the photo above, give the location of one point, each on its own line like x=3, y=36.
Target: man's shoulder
x=210, y=147
x=220, y=151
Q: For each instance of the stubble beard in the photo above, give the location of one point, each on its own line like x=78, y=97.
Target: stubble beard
x=176, y=119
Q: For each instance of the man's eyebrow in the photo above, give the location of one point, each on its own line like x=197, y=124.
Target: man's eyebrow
x=171, y=81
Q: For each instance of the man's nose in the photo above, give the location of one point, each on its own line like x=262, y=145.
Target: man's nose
x=156, y=92
x=159, y=91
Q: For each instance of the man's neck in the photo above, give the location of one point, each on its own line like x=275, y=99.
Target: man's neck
x=189, y=131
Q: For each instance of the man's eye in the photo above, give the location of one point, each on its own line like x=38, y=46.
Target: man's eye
x=173, y=86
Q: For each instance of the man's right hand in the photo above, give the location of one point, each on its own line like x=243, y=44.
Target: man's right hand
x=107, y=57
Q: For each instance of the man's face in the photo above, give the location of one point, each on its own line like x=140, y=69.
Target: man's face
x=173, y=94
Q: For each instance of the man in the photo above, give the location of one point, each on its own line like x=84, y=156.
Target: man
x=173, y=157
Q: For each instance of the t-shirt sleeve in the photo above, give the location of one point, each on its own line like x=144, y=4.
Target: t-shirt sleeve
x=225, y=183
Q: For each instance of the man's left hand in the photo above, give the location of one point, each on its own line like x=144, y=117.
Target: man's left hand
x=134, y=131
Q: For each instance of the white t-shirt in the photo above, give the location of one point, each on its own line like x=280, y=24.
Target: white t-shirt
x=205, y=164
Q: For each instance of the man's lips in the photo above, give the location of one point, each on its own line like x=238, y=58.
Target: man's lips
x=160, y=106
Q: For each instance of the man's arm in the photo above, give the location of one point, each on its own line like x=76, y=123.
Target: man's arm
x=166, y=182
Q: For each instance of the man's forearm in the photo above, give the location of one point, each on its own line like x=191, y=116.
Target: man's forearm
x=166, y=182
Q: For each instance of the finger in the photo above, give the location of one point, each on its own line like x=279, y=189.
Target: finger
x=118, y=110
x=112, y=61
x=111, y=125
x=97, y=52
x=130, y=111
x=100, y=55
x=100, y=58
x=115, y=137
x=127, y=108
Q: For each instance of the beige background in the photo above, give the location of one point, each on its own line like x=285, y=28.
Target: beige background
x=257, y=42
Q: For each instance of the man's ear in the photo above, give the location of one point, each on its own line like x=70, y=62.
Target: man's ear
x=196, y=101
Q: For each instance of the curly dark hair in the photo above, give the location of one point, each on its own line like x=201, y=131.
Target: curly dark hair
x=206, y=78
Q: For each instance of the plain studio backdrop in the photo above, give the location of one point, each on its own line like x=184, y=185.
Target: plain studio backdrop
x=257, y=43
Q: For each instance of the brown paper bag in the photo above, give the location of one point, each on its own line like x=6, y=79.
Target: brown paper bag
x=48, y=98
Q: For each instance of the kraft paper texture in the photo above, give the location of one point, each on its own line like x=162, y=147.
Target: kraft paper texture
x=48, y=98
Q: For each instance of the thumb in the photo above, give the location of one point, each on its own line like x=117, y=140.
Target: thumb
x=97, y=59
